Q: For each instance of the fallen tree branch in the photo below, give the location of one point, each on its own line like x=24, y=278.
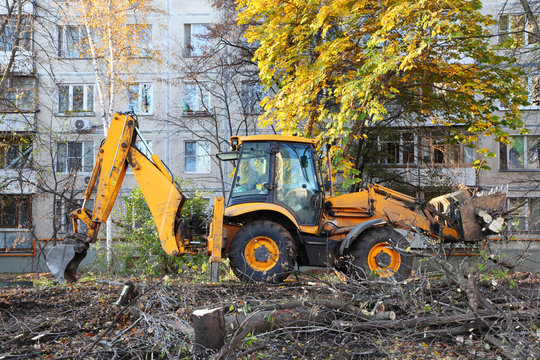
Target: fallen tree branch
x=439, y=320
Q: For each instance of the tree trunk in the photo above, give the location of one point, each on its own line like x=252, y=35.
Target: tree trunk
x=109, y=244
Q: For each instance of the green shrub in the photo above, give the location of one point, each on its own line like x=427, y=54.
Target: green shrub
x=138, y=251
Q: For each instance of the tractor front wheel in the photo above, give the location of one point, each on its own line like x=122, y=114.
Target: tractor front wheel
x=262, y=251
x=378, y=252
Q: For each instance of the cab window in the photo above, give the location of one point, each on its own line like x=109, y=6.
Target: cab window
x=253, y=170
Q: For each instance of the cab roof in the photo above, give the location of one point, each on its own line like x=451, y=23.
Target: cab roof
x=278, y=138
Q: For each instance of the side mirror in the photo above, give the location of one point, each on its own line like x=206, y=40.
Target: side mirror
x=327, y=185
x=227, y=156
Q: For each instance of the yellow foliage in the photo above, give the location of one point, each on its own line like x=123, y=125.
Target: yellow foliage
x=343, y=66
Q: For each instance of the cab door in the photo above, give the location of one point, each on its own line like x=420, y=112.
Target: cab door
x=252, y=180
x=296, y=184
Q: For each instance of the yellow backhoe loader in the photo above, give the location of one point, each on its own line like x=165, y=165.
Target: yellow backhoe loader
x=279, y=212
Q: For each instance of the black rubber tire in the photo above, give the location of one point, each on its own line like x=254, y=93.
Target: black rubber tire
x=372, y=239
x=244, y=268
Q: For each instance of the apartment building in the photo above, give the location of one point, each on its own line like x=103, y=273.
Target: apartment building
x=187, y=108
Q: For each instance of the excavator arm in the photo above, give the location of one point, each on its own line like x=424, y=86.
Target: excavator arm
x=162, y=194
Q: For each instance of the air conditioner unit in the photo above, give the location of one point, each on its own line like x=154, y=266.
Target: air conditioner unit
x=80, y=125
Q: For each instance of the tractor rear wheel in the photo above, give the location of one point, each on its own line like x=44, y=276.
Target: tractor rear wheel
x=262, y=251
x=375, y=254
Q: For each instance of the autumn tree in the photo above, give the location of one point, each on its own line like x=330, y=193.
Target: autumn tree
x=344, y=66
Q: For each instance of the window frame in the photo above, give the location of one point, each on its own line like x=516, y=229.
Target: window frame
x=25, y=35
x=72, y=52
x=144, y=46
x=400, y=148
x=18, y=223
x=505, y=156
x=191, y=49
x=532, y=83
x=23, y=147
x=250, y=97
x=21, y=93
x=85, y=111
x=197, y=156
x=521, y=34
x=432, y=144
x=132, y=98
x=526, y=214
x=20, y=234
x=202, y=99
x=86, y=158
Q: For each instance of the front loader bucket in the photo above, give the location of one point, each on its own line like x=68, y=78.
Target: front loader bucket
x=475, y=216
x=64, y=259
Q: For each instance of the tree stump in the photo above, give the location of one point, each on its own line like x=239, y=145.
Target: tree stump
x=209, y=327
x=129, y=292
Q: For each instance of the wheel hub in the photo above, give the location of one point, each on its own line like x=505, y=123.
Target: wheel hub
x=262, y=253
x=383, y=259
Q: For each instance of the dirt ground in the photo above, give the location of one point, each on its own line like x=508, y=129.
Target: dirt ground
x=42, y=320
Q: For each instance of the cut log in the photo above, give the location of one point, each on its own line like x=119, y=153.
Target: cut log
x=209, y=327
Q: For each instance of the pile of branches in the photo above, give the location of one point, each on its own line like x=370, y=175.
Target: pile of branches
x=456, y=312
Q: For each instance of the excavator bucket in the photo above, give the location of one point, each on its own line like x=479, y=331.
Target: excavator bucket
x=64, y=259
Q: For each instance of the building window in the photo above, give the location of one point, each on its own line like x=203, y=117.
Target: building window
x=436, y=150
x=197, y=157
x=76, y=99
x=145, y=147
x=533, y=89
x=75, y=156
x=194, y=39
x=140, y=98
x=15, y=152
x=525, y=214
x=396, y=148
x=142, y=44
x=72, y=41
x=517, y=28
x=14, y=211
x=62, y=210
x=251, y=97
x=522, y=154
x=196, y=100
x=15, y=222
x=9, y=34
x=18, y=94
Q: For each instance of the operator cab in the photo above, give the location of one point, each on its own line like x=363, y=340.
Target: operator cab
x=282, y=170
